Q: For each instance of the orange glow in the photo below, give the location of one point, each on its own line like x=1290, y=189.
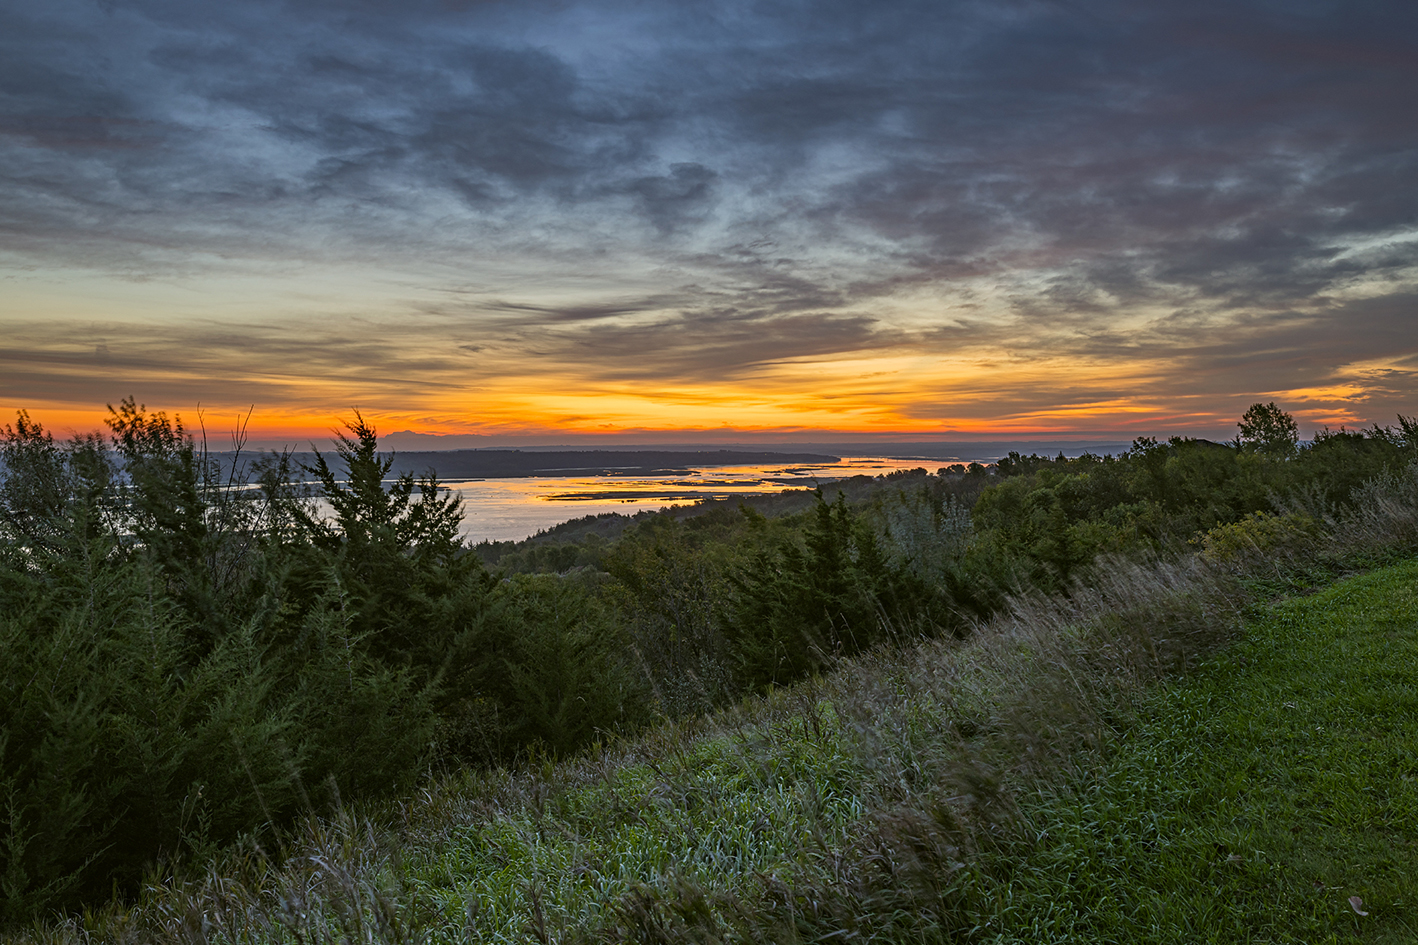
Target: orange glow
x=607, y=411
x=902, y=392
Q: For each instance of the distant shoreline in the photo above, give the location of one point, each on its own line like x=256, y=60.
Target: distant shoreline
x=471, y=464
x=466, y=465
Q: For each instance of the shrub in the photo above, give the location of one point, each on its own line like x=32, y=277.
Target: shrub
x=555, y=665
x=1383, y=519
x=121, y=747
x=668, y=593
x=1258, y=534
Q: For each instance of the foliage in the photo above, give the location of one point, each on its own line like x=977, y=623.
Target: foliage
x=186, y=659
x=393, y=564
x=198, y=652
x=134, y=729
x=799, y=606
x=1044, y=519
x=1267, y=428
x=1258, y=534
x=670, y=580
x=871, y=801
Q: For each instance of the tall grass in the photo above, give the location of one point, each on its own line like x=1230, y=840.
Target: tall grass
x=878, y=802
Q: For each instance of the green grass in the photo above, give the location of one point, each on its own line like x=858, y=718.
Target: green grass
x=1254, y=799
x=714, y=815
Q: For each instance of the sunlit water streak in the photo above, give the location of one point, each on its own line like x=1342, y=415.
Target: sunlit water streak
x=513, y=509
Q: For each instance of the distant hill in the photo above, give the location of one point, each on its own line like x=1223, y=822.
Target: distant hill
x=452, y=465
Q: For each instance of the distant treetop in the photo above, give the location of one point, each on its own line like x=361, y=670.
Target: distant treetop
x=1265, y=428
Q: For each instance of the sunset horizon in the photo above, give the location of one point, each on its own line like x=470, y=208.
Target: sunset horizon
x=399, y=431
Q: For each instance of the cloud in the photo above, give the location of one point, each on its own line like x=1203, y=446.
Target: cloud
x=700, y=347
x=679, y=194
x=528, y=315
x=308, y=365
x=682, y=196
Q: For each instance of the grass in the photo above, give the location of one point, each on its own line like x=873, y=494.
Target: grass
x=855, y=805
x=1255, y=799
x=713, y=814
x=1033, y=784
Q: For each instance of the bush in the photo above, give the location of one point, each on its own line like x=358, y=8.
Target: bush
x=1049, y=518
x=1257, y=535
x=799, y=607
x=556, y=666
x=667, y=595
x=123, y=746
x=1383, y=519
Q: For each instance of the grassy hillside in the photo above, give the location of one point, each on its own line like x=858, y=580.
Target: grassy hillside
x=1271, y=798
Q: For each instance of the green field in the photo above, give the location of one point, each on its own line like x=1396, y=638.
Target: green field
x=1255, y=799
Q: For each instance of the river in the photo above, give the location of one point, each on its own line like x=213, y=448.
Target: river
x=513, y=509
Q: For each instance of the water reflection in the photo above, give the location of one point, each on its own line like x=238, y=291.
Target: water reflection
x=513, y=509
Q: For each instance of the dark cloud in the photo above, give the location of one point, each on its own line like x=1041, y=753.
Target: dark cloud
x=679, y=197
x=258, y=363
x=527, y=315
x=708, y=346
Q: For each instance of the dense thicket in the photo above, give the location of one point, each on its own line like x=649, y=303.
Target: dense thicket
x=186, y=657
x=1053, y=516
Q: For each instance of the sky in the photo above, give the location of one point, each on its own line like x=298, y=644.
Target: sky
x=724, y=221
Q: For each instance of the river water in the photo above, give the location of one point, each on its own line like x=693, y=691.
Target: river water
x=513, y=509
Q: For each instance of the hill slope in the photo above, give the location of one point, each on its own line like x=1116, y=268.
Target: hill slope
x=924, y=795
x=1251, y=803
